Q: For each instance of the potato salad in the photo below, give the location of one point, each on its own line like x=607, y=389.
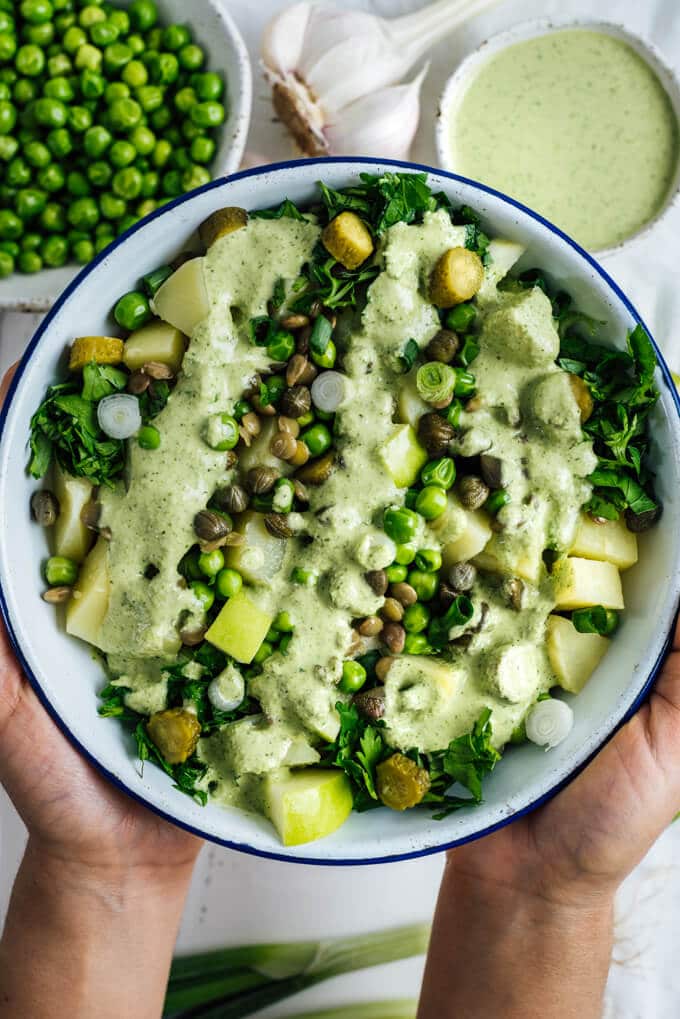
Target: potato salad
x=345, y=505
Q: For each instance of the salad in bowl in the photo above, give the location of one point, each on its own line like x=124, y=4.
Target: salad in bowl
x=343, y=504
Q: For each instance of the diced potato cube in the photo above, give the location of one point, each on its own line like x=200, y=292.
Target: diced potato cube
x=71, y=537
x=158, y=341
x=261, y=557
x=471, y=541
x=527, y=563
x=222, y=222
x=609, y=542
x=502, y=256
x=307, y=805
x=403, y=456
x=456, y=277
x=579, y=583
x=183, y=299
x=512, y=671
x=573, y=656
x=348, y=239
x=410, y=405
x=102, y=349
x=409, y=670
x=87, y=606
x=240, y=628
x=522, y=329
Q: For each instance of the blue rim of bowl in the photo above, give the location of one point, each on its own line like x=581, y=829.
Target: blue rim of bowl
x=4, y=610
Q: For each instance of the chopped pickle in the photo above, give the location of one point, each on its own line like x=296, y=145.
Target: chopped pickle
x=401, y=783
x=175, y=732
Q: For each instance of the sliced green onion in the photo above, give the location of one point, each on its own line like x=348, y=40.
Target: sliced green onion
x=453, y=412
x=119, y=416
x=549, y=723
x=154, y=280
x=284, y=493
x=459, y=612
x=436, y=382
x=320, y=335
x=465, y=385
x=468, y=352
x=597, y=619
x=404, y=1008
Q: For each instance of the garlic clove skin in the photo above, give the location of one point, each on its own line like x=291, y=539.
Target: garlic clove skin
x=284, y=39
x=383, y=123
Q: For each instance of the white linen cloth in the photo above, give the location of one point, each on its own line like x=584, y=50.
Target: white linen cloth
x=236, y=898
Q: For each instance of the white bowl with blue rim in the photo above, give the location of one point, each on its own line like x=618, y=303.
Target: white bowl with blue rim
x=67, y=678
x=214, y=29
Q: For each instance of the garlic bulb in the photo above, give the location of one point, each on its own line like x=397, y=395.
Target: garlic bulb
x=549, y=723
x=334, y=74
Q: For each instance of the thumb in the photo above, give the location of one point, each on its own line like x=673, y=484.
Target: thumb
x=7, y=381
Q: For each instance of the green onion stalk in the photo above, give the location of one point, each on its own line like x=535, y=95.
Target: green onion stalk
x=405, y=1008
x=232, y=983
x=436, y=383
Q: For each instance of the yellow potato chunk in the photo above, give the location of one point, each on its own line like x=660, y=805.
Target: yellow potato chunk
x=183, y=299
x=348, y=239
x=102, y=349
x=410, y=405
x=158, y=341
x=527, y=563
x=89, y=602
x=470, y=542
x=175, y=732
x=222, y=222
x=573, y=656
x=580, y=583
x=403, y=456
x=71, y=537
x=261, y=557
x=609, y=542
x=240, y=628
x=307, y=805
x=456, y=277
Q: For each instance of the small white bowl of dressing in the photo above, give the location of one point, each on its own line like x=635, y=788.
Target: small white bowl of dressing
x=578, y=119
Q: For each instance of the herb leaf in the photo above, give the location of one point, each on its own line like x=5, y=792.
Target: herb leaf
x=286, y=209
x=358, y=750
x=466, y=760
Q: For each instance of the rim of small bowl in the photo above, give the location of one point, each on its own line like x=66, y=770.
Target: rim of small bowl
x=244, y=847
x=458, y=82
x=235, y=129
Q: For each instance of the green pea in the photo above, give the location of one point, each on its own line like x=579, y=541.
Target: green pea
x=121, y=19
x=149, y=437
x=37, y=154
x=164, y=68
x=60, y=570
x=90, y=15
x=173, y=136
x=30, y=262
x=222, y=432
x=53, y=218
x=59, y=65
x=496, y=501
x=143, y=14
x=429, y=560
x=431, y=502
x=210, y=563
x=207, y=114
x=317, y=439
x=327, y=359
x=150, y=184
x=73, y=39
x=9, y=147
x=97, y=140
x=406, y=553
x=353, y=677
x=64, y=21
x=8, y=117
x=31, y=241
x=122, y=153
x=180, y=158
x=281, y=346
x=466, y=384
x=424, y=584
x=150, y=98
x=99, y=173
x=77, y=184
x=136, y=44
x=461, y=317
x=132, y=311
x=401, y=524
x=24, y=91
x=116, y=90
x=300, y=575
x=135, y=74
x=79, y=119
x=89, y=58
x=228, y=583
x=92, y=84
x=83, y=213
x=18, y=172
x=172, y=183
x=102, y=241
x=195, y=177
x=161, y=118
x=83, y=251
x=10, y=248
x=116, y=56
x=205, y=594
x=440, y=472
x=396, y=573
x=416, y=643
x=30, y=60
x=5, y=92
x=6, y=264
x=191, y=57
x=175, y=37
x=283, y=623
x=51, y=178
x=59, y=142
x=127, y=183
x=36, y=11
x=8, y=47
x=55, y=251
x=185, y=99
x=209, y=86
x=265, y=651
x=11, y=226
x=416, y=618
x=30, y=202
x=111, y=206
x=125, y=114
x=202, y=150
x=103, y=33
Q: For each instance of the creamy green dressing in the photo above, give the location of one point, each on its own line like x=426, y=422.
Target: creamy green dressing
x=575, y=124
x=526, y=415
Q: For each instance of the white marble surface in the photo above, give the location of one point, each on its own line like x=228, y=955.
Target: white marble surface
x=235, y=898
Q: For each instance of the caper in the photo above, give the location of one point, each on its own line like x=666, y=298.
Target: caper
x=513, y=589
x=317, y=471
x=382, y=667
x=44, y=507
x=260, y=480
x=156, y=370
x=230, y=459
x=435, y=433
x=296, y=402
x=277, y=525
x=283, y=445
x=300, y=371
x=57, y=595
x=211, y=526
x=472, y=492
x=233, y=498
x=394, y=636
x=370, y=626
x=392, y=610
x=491, y=469
x=443, y=346
x=404, y=593
x=299, y=490
x=294, y=322
x=138, y=382
x=377, y=581
x=370, y=703
x=193, y=636
x=462, y=576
